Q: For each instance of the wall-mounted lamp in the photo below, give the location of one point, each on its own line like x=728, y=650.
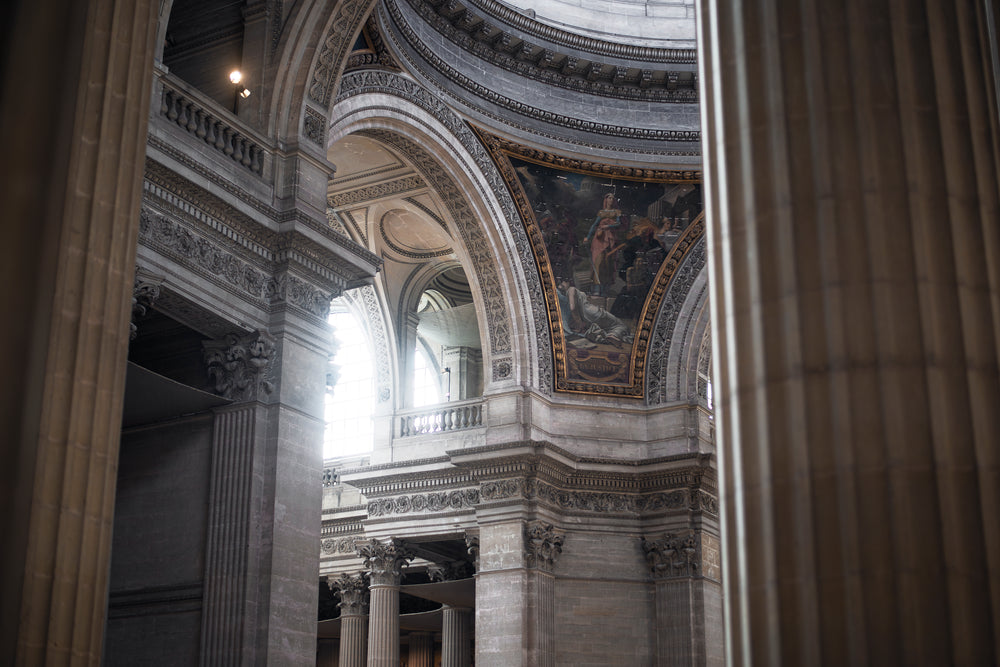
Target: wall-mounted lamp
x=239, y=90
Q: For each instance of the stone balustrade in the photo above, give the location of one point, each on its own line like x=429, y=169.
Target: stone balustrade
x=194, y=113
x=442, y=418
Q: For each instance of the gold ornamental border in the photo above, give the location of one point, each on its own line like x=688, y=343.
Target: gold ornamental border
x=500, y=150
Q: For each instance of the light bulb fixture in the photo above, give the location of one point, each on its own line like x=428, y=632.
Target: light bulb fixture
x=236, y=76
x=245, y=93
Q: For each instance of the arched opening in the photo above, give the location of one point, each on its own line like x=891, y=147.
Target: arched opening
x=350, y=398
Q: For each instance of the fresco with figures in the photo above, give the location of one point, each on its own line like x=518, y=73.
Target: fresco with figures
x=602, y=243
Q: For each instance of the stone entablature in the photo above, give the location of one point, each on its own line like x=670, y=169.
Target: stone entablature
x=540, y=475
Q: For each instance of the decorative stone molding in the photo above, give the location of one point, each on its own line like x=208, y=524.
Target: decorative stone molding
x=376, y=191
x=391, y=84
x=240, y=366
x=491, y=96
x=666, y=322
x=289, y=289
x=426, y=502
x=542, y=545
x=326, y=68
x=145, y=291
x=353, y=592
x=673, y=555
x=490, y=40
x=314, y=126
x=343, y=545
x=385, y=560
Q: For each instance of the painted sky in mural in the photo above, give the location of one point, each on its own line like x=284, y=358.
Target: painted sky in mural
x=605, y=240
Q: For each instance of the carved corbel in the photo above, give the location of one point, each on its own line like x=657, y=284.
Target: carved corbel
x=240, y=367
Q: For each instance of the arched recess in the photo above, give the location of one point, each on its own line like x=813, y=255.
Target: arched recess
x=484, y=221
x=672, y=365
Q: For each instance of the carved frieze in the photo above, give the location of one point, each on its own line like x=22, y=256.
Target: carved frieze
x=385, y=560
x=424, y=502
x=348, y=14
x=376, y=191
x=314, y=126
x=241, y=366
x=673, y=555
x=542, y=545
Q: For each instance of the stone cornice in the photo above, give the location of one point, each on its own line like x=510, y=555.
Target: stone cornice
x=517, y=108
x=554, y=57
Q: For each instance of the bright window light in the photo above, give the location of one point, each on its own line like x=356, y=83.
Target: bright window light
x=426, y=380
x=350, y=405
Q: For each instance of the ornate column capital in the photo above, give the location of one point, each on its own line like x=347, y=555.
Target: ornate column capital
x=353, y=592
x=673, y=555
x=472, y=548
x=145, y=290
x=240, y=366
x=451, y=571
x=542, y=545
x=385, y=560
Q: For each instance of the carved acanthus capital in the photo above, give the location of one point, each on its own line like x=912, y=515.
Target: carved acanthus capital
x=451, y=571
x=385, y=560
x=353, y=592
x=240, y=366
x=672, y=555
x=145, y=291
x=542, y=545
x=472, y=548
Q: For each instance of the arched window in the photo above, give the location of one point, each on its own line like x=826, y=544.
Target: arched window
x=350, y=404
x=426, y=378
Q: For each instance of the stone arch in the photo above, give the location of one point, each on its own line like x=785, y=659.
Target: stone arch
x=672, y=365
x=401, y=114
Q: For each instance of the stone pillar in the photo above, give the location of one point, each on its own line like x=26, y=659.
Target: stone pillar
x=466, y=378
x=385, y=562
x=687, y=597
x=456, y=637
x=353, y=592
x=421, y=650
x=76, y=77
x=542, y=545
x=851, y=154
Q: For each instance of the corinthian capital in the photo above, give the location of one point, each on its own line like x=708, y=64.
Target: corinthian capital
x=240, y=366
x=672, y=555
x=385, y=560
x=353, y=592
x=542, y=545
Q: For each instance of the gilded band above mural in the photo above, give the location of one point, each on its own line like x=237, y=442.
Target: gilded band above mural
x=606, y=246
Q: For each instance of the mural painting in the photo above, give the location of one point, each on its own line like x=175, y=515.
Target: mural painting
x=605, y=244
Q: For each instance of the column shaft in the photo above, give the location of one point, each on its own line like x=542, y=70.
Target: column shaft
x=421, y=650
x=851, y=154
x=456, y=637
x=383, y=632
x=79, y=143
x=353, y=640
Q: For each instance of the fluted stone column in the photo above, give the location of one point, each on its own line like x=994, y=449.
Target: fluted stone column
x=456, y=636
x=421, y=650
x=851, y=153
x=385, y=562
x=542, y=546
x=76, y=78
x=353, y=592
x=688, y=598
